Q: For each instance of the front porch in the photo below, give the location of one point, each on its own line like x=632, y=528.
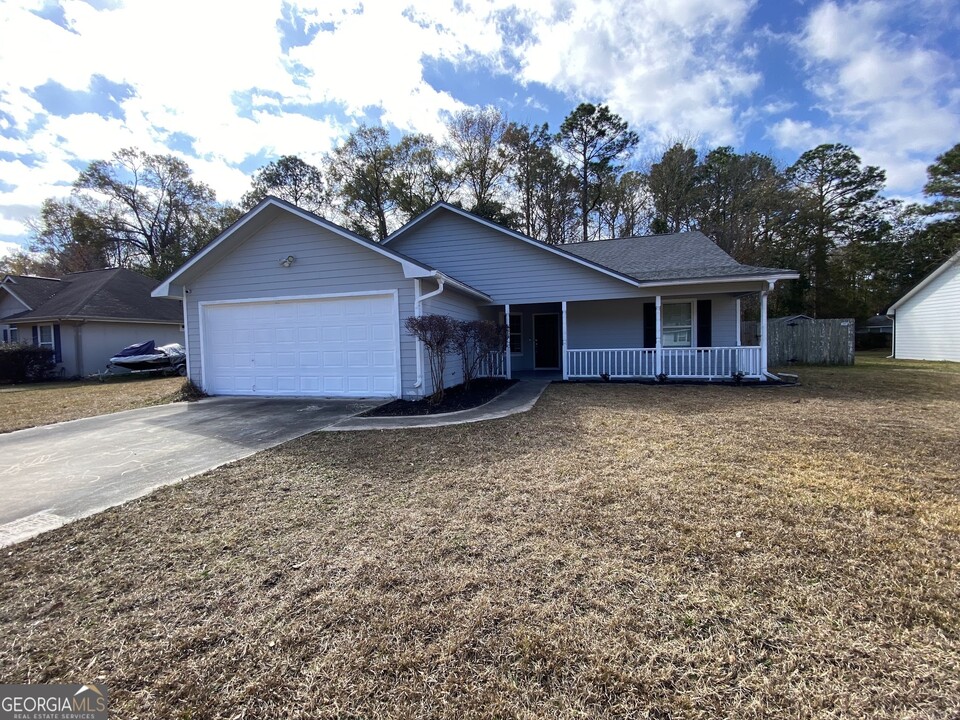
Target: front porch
x=660, y=337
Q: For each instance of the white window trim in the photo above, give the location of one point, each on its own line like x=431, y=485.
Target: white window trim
x=518, y=333
x=53, y=338
x=693, y=324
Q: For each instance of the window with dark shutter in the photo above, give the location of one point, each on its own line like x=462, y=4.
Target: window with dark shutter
x=649, y=325
x=704, y=323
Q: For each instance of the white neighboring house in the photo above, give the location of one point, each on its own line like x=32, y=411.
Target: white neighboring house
x=927, y=319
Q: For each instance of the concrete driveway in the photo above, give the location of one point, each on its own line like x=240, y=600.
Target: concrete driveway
x=56, y=473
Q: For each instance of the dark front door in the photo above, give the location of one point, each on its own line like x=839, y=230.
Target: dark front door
x=546, y=341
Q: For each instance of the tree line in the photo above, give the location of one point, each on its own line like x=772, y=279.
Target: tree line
x=825, y=215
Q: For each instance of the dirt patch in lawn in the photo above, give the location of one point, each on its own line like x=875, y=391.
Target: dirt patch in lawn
x=618, y=551
x=24, y=406
x=480, y=392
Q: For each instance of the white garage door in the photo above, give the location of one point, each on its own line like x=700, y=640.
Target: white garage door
x=330, y=347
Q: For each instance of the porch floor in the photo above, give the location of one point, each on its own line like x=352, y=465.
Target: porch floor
x=543, y=375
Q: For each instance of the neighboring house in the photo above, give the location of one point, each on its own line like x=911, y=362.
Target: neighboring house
x=877, y=325
x=87, y=317
x=927, y=319
x=286, y=303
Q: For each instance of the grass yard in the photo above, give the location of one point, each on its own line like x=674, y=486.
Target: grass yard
x=619, y=551
x=24, y=406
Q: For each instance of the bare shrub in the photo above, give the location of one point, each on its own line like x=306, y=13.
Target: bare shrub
x=436, y=332
x=473, y=341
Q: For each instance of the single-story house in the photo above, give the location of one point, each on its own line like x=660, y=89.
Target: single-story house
x=926, y=321
x=285, y=302
x=86, y=317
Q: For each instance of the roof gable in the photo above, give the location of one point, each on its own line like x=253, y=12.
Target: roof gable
x=553, y=249
x=638, y=261
x=953, y=261
x=256, y=219
x=31, y=290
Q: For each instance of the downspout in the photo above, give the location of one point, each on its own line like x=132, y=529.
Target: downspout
x=893, y=338
x=78, y=347
x=418, y=312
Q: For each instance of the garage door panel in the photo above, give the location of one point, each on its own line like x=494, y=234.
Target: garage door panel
x=359, y=334
x=331, y=346
x=358, y=360
x=310, y=360
x=384, y=360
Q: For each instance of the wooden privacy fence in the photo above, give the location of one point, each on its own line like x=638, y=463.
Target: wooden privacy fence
x=806, y=342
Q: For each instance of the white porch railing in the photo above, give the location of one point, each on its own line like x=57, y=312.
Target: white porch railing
x=712, y=363
x=617, y=363
x=494, y=365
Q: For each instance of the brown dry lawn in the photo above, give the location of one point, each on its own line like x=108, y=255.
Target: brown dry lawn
x=24, y=406
x=619, y=551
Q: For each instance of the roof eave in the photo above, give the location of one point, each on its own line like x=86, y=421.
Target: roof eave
x=722, y=279
x=463, y=287
x=89, y=318
x=410, y=269
x=955, y=258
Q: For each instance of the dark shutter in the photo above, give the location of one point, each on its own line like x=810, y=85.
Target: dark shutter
x=57, y=354
x=36, y=334
x=704, y=324
x=649, y=325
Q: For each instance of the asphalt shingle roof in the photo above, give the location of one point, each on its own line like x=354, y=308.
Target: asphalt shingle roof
x=112, y=294
x=34, y=290
x=679, y=256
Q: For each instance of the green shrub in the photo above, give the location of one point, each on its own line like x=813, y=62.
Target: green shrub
x=20, y=362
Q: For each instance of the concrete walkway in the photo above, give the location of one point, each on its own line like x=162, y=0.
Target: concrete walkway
x=56, y=473
x=519, y=398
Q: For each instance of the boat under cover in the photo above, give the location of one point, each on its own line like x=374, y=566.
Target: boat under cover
x=147, y=356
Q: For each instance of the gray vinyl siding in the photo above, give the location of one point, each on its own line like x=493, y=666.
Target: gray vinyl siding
x=326, y=263
x=9, y=305
x=927, y=326
x=724, y=312
x=605, y=324
x=506, y=268
x=458, y=306
x=608, y=324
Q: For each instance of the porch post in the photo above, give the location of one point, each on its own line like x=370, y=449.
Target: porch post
x=738, y=321
x=659, y=346
x=563, y=336
x=763, y=334
x=506, y=359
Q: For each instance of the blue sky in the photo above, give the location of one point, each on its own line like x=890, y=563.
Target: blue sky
x=230, y=87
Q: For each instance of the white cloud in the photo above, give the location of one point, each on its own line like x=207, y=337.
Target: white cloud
x=887, y=90
x=668, y=68
x=680, y=68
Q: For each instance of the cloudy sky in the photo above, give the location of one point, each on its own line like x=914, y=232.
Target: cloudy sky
x=230, y=86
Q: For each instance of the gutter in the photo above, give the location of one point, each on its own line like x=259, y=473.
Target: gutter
x=418, y=312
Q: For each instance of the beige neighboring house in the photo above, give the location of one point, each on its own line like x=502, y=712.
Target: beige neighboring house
x=87, y=317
